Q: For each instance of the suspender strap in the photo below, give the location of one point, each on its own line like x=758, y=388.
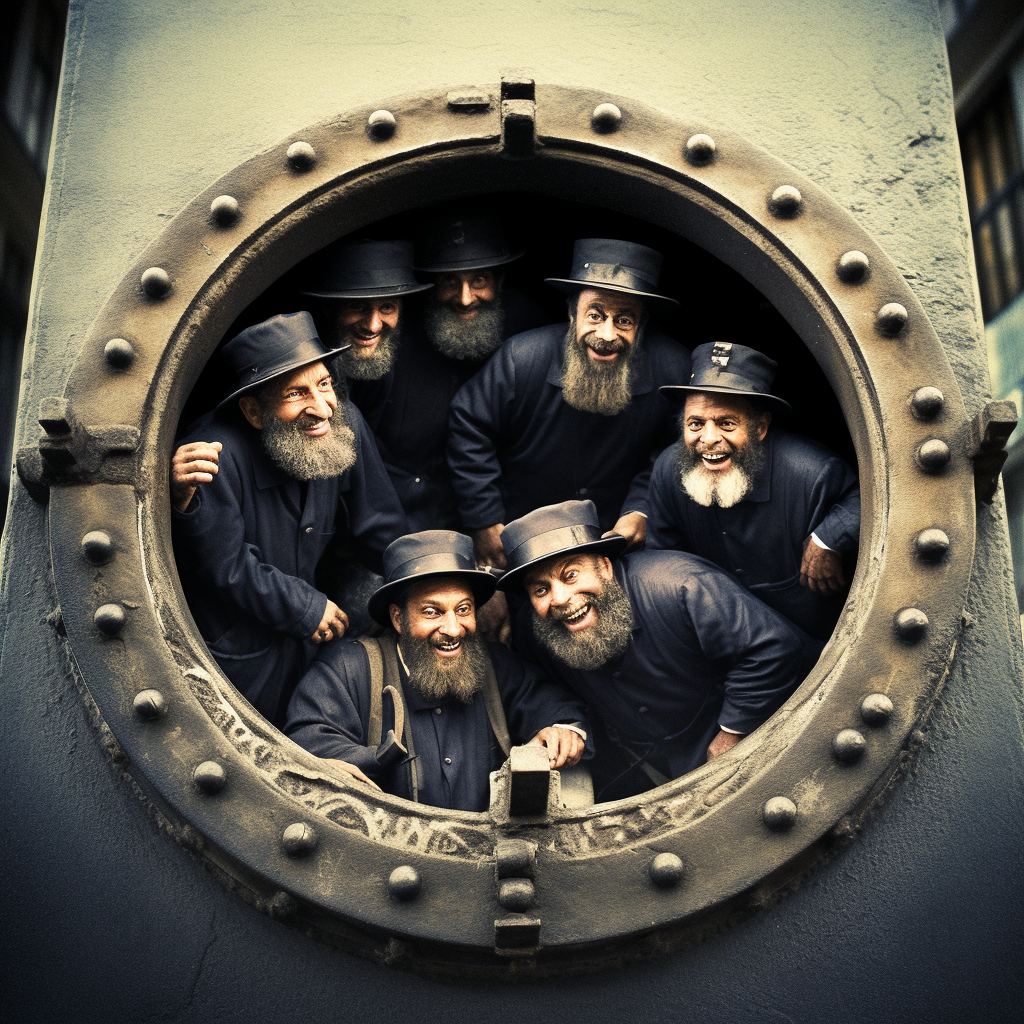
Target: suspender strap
x=393, y=679
x=495, y=709
x=374, y=728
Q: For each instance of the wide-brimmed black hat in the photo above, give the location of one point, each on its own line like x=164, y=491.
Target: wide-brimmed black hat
x=422, y=556
x=554, y=530
x=615, y=266
x=264, y=351
x=730, y=369
x=361, y=270
x=455, y=243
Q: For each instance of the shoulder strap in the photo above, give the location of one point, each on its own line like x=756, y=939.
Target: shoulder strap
x=393, y=678
x=374, y=728
x=495, y=709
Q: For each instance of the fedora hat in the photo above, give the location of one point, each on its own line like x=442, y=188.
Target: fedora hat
x=455, y=243
x=361, y=270
x=267, y=350
x=424, y=556
x=615, y=266
x=729, y=369
x=554, y=530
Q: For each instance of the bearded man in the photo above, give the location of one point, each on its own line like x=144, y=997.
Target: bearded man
x=455, y=704
x=571, y=410
x=676, y=661
x=258, y=489
x=777, y=511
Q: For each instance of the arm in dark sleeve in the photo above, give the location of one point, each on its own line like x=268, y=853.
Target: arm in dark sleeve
x=664, y=530
x=835, y=515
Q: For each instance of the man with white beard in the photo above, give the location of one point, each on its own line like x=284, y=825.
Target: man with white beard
x=776, y=510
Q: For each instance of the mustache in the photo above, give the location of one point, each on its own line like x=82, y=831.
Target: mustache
x=561, y=612
x=307, y=420
x=603, y=346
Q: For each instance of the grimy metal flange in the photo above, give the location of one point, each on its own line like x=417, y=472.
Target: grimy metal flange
x=446, y=890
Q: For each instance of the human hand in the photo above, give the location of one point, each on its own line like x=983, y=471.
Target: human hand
x=721, y=743
x=821, y=570
x=333, y=623
x=632, y=526
x=564, y=745
x=351, y=769
x=493, y=621
x=487, y=547
x=193, y=464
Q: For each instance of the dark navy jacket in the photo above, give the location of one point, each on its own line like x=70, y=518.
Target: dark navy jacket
x=802, y=489
x=454, y=744
x=515, y=444
x=704, y=654
x=247, y=549
x=407, y=410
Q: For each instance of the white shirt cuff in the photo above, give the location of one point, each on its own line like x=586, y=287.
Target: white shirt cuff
x=732, y=732
x=572, y=728
x=817, y=540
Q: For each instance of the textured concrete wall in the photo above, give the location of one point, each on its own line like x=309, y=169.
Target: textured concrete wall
x=104, y=917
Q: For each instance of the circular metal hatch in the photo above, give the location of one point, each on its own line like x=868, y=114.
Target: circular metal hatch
x=431, y=888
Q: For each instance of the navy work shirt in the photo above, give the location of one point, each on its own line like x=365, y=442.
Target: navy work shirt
x=801, y=489
x=248, y=545
x=515, y=444
x=455, y=747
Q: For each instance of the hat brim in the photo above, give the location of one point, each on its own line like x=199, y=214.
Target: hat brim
x=678, y=393
x=458, y=265
x=369, y=293
x=297, y=365
x=610, y=547
x=566, y=284
x=480, y=582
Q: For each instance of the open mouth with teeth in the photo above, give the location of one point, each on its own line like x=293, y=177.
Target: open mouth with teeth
x=447, y=646
x=581, y=618
x=716, y=460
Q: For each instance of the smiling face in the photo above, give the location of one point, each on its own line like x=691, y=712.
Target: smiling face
x=717, y=428
x=607, y=323
x=567, y=589
x=365, y=323
x=465, y=292
x=305, y=397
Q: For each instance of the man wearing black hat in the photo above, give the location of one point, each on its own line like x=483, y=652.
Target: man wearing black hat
x=776, y=510
x=676, y=661
x=454, y=705
x=573, y=410
x=282, y=467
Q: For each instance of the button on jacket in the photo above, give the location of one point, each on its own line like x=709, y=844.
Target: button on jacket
x=515, y=444
x=248, y=545
x=801, y=489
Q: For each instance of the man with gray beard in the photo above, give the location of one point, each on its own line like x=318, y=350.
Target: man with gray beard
x=455, y=704
x=258, y=489
x=777, y=511
x=676, y=661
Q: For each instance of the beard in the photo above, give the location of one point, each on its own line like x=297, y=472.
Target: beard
x=436, y=678
x=308, y=458
x=465, y=339
x=372, y=367
x=725, y=489
x=592, y=386
x=588, y=648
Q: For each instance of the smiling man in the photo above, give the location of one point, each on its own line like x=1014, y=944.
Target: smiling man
x=455, y=704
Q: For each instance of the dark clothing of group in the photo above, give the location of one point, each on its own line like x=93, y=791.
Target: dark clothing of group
x=801, y=489
x=248, y=545
x=515, y=444
x=454, y=744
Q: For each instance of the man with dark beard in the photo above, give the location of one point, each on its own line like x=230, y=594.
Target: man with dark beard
x=570, y=411
x=456, y=704
x=258, y=488
x=778, y=511
x=676, y=661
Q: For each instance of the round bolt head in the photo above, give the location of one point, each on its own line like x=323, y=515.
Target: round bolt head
x=665, y=870
x=853, y=267
x=848, y=745
x=606, y=117
x=380, y=125
x=700, y=149
x=785, y=201
x=110, y=618
x=98, y=547
x=876, y=709
x=927, y=403
x=210, y=776
x=299, y=839
x=910, y=624
x=156, y=282
x=119, y=353
x=891, y=319
x=301, y=156
x=404, y=883
x=933, y=455
x=516, y=894
x=149, y=704
x=225, y=210
x=778, y=813
x=931, y=545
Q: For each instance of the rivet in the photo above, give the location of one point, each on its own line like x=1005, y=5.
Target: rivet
x=778, y=813
x=785, y=201
x=299, y=839
x=98, y=547
x=927, y=403
x=156, y=282
x=606, y=117
x=301, y=156
x=225, y=210
x=516, y=894
x=404, y=883
x=933, y=455
x=110, y=619
x=149, y=704
x=853, y=267
x=210, y=776
x=910, y=624
x=380, y=125
x=665, y=870
x=876, y=709
x=891, y=319
x=700, y=149
x=931, y=545
x=119, y=353
x=848, y=745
